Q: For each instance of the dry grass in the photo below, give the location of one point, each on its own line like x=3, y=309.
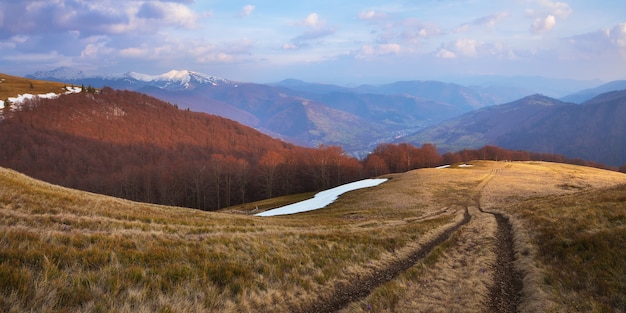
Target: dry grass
x=11, y=86
x=580, y=242
x=67, y=251
x=453, y=278
x=554, y=210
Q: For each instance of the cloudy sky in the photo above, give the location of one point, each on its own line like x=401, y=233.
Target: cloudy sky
x=325, y=41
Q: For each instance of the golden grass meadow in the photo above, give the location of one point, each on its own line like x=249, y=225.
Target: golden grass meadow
x=63, y=250
x=11, y=86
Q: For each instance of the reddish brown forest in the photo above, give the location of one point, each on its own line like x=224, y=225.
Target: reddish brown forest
x=133, y=146
x=389, y=158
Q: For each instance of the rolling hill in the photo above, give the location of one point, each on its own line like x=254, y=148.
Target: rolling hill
x=426, y=240
x=593, y=130
x=12, y=86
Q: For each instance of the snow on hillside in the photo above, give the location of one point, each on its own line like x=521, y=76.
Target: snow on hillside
x=322, y=199
x=19, y=99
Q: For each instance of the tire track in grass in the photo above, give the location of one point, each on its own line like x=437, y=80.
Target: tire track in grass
x=505, y=293
x=358, y=289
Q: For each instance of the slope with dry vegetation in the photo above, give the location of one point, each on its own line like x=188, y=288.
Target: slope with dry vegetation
x=69, y=251
x=11, y=86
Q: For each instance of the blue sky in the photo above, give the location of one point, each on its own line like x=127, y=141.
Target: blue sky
x=323, y=41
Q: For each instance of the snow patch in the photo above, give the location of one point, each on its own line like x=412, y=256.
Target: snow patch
x=323, y=198
x=448, y=166
x=20, y=99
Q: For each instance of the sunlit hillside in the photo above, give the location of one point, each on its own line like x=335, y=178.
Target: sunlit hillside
x=426, y=240
x=11, y=86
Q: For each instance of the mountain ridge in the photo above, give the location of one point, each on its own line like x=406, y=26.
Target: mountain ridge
x=593, y=130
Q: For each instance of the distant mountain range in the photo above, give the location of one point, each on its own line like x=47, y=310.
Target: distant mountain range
x=594, y=130
x=359, y=118
x=172, y=80
x=308, y=114
x=587, y=94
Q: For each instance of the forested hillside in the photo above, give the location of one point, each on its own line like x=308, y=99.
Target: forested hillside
x=134, y=146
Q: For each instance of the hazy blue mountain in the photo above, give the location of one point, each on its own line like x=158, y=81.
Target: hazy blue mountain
x=594, y=130
x=551, y=87
x=584, y=95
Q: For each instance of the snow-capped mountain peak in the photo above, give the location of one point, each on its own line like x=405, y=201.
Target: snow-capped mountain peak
x=173, y=80
x=178, y=79
x=184, y=75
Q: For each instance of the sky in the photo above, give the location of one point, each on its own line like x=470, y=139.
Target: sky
x=318, y=41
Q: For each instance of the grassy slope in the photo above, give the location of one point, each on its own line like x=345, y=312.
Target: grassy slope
x=571, y=231
x=11, y=86
x=63, y=250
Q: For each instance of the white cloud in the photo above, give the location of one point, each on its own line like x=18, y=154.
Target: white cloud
x=134, y=52
x=444, y=53
x=372, y=15
x=369, y=51
x=95, y=50
x=415, y=30
x=247, y=10
x=471, y=48
x=487, y=22
x=406, y=32
x=558, y=9
x=217, y=57
x=541, y=25
x=466, y=47
x=604, y=43
x=617, y=35
x=312, y=20
x=171, y=13
x=545, y=17
x=316, y=29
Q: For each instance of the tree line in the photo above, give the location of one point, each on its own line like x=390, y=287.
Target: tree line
x=133, y=146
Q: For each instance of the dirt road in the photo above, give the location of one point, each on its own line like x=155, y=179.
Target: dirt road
x=473, y=273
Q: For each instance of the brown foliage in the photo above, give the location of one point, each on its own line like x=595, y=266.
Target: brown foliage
x=391, y=158
x=133, y=146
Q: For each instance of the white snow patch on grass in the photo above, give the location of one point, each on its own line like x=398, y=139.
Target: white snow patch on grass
x=322, y=198
x=51, y=95
x=443, y=166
